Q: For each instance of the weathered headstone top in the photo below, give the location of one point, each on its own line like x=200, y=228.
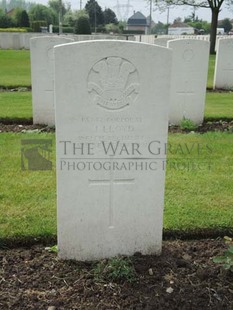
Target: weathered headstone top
x=42, y=74
x=188, y=80
x=111, y=130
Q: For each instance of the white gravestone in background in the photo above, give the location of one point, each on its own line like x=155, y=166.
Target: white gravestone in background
x=42, y=75
x=223, y=75
x=188, y=80
x=111, y=130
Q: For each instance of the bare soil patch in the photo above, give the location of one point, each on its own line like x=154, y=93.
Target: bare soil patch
x=183, y=278
x=26, y=126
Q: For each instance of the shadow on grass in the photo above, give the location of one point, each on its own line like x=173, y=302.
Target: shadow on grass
x=16, y=121
x=197, y=234
x=27, y=241
x=218, y=119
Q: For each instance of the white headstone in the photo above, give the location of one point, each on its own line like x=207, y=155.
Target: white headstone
x=42, y=75
x=86, y=37
x=223, y=75
x=10, y=40
x=188, y=80
x=28, y=36
x=161, y=41
x=16, y=41
x=7, y=40
x=111, y=129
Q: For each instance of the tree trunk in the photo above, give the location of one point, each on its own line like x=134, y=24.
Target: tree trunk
x=213, y=31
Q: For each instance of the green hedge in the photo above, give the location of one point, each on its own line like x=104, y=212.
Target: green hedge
x=37, y=24
x=13, y=30
x=64, y=29
x=133, y=32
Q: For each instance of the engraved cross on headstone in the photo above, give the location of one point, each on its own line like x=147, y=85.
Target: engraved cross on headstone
x=111, y=182
x=186, y=94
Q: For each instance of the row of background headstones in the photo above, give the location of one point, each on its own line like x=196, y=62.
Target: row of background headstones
x=163, y=39
x=106, y=212
x=42, y=74
x=16, y=40
x=188, y=79
x=102, y=212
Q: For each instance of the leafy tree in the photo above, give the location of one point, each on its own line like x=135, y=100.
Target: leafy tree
x=192, y=19
x=95, y=13
x=177, y=20
x=114, y=28
x=21, y=18
x=213, y=5
x=109, y=17
x=36, y=25
x=122, y=26
x=82, y=25
x=16, y=15
x=68, y=19
x=198, y=23
x=3, y=6
x=11, y=4
x=159, y=28
x=59, y=8
x=226, y=24
x=41, y=12
x=6, y=21
x=56, y=5
x=24, y=20
x=71, y=16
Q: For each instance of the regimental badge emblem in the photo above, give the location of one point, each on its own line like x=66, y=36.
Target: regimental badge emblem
x=113, y=83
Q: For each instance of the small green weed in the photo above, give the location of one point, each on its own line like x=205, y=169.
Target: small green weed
x=227, y=258
x=188, y=124
x=53, y=248
x=117, y=269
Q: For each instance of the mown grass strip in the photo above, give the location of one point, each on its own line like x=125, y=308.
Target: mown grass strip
x=18, y=105
x=15, y=105
x=27, y=198
x=15, y=68
x=210, y=80
x=197, y=197
x=198, y=185
x=219, y=105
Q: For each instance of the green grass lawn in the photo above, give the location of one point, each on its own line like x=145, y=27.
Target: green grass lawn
x=27, y=199
x=18, y=105
x=211, y=71
x=219, y=105
x=198, y=186
x=15, y=105
x=15, y=68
